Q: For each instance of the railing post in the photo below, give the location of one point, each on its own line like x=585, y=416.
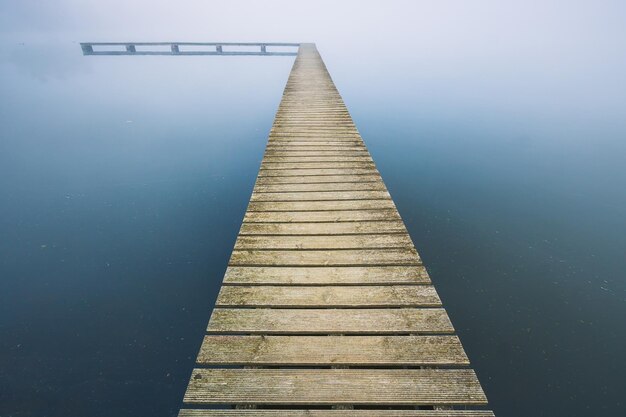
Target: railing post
x=131, y=48
x=175, y=49
x=218, y=49
x=87, y=48
x=263, y=49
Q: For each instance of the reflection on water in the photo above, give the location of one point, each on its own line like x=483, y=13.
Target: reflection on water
x=125, y=179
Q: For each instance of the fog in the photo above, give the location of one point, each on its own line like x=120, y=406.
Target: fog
x=498, y=127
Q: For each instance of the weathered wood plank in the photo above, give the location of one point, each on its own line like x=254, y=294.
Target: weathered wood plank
x=334, y=386
x=269, y=167
x=296, y=155
x=329, y=228
x=312, y=140
x=277, y=137
x=290, y=113
x=292, y=110
x=306, y=97
x=318, y=179
x=367, y=170
x=334, y=413
x=294, y=149
x=343, y=133
x=278, y=133
x=322, y=216
x=339, y=257
x=314, y=125
x=320, y=196
x=284, y=115
x=331, y=142
x=347, y=275
x=338, y=186
x=298, y=115
x=307, y=148
x=332, y=350
x=330, y=321
x=304, y=242
x=320, y=205
x=272, y=158
x=305, y=102
x=331, y=296
x=317, y=133
x=288, y=150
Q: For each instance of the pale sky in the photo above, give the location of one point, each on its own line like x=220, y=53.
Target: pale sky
x=567, y=56
x=536, y=44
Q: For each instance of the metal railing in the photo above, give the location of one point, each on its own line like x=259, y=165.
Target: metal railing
x=189, y=48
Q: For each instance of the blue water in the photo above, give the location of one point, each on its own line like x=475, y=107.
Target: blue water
x=124, y=181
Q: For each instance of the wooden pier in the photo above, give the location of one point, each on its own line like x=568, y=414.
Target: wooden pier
x=326, y=309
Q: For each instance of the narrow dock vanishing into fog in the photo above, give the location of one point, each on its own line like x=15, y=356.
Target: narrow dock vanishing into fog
x=326, y=309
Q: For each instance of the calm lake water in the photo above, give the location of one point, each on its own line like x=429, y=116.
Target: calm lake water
x=124, y=181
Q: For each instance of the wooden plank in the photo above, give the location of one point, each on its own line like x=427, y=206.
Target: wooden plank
x=288, y=149
x=367, y=170
x=302, y=121
x=287, y=114
x=327, y=114
x=314, y=126
x=339, y=257
x=338, y=186
x=286, y=140
x=335, y=386
x=300, y=150
x=321, y=216
x=332, y=296
x=343, y=123
x=340, y=115
x=347, y=131
x=306, y=104
x=307, y=101
x=326, y=120
x=318, y=179
x=333, y=125
x=320, y=205
x=329, y=228
x=332, y=351
x=284, y=117
x=285, y=154
x=272, y=158
x=314, y=134
x=305, y=127
x=348, y=275
x=333, y=413
x=320, y=196
x=355, y=141
x=330, y=321
x=304, y=242
x=306, y=146
x=277, y=137
x=313, y=111
x=311, y=95
x=317, y=134
x=301, y=166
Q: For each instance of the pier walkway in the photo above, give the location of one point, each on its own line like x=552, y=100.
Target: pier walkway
x=326, y=309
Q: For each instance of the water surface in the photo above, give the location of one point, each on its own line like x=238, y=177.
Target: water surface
x=124, y=181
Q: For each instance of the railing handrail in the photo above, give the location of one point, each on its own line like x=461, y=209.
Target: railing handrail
x=175, y=48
